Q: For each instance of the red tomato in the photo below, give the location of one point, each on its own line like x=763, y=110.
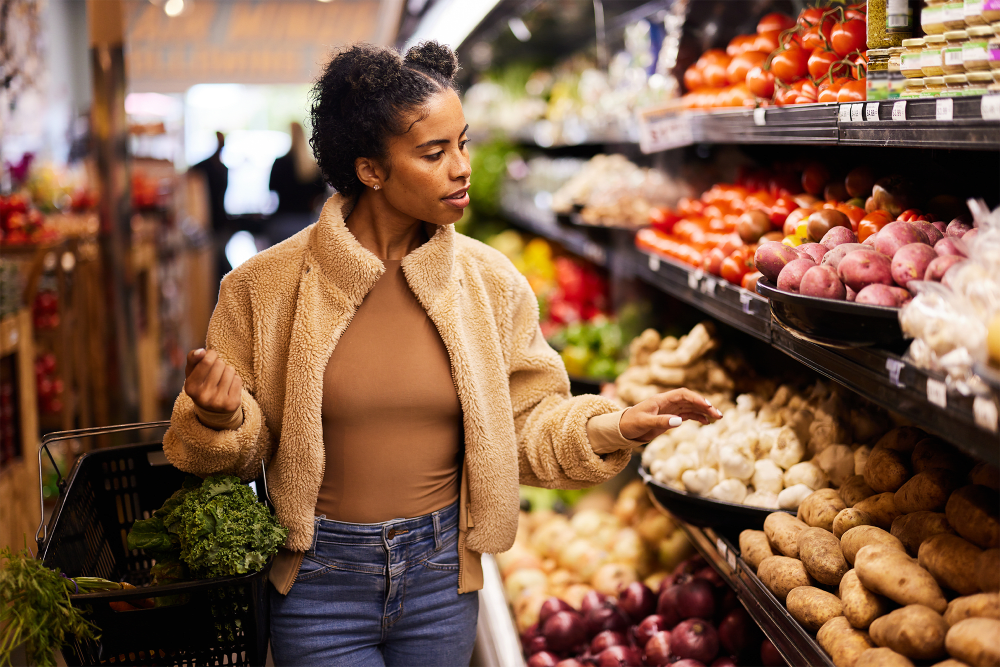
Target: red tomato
x=782, y=208
x=730, y=243
x=784, y=184
x=857, y=12
x=805, y=87
x=663, y=218
x=712, y=261
x=911, y=215
x=740, y=44
x=872, y=223
x=852, y=91
x=793, y=220
x=812, y=16
x=749, y=281
x=790, y=64
x=775, y=22
x=820, y=61
x=741, y=65
x=815, y=177
x=693, y=79
x=848, y=36
x=737, y=265
x=854, y=213
x=785, y=96
x=715, y=73
x=713, y=56
x=760, y=82
x=766, y=42
x=828, y=92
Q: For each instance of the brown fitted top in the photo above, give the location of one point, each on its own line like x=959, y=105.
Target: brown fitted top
x=392, y=421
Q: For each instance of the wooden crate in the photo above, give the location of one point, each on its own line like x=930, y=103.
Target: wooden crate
x=19, y=510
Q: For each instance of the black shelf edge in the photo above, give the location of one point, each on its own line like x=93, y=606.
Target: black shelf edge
x=914, y=123
x=527, y=216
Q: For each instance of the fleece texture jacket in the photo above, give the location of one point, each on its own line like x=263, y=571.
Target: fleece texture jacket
x=278, y=319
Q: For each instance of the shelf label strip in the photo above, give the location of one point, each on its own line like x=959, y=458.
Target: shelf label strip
x=894, y=366
x=844, y=114
x=899, y=110
x=944, y=108
x=984, y=410
x=871, y=111
x=990, y=107
x=937, y=393
x=857, y=111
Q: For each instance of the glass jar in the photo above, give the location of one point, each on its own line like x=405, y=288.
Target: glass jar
x=954, y=15
x=913, y=88
x=930, y=59
x=955, y=85
x=877, y=79
x=974, y=12
x=897, y=82
x=993, y=48
x=979, y=82
x=888, y=23
x=975, y=53
x=932, y=17
x=991, y=10
x=911, y=60
x=933, y=86
x=951, y=54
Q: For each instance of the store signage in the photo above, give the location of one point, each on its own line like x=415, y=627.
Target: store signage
x=990, y=107
x=663, y=132
x=899, y=110
x=268, y=41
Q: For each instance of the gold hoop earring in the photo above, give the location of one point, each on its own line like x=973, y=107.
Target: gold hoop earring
x=376, y=187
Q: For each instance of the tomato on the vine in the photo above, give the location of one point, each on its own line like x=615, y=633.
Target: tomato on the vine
x=820, y=61
x=760, y=82
x=775, y=22
x=740, y=44
x=741, y=65
x=766, y=41
x=785, y=96
x=790, y=64
x=828, y=91
x=693, y=79
x=848, y=36
x=852, y=91
x=857, y=12
x=811, y=16
x=662, y=218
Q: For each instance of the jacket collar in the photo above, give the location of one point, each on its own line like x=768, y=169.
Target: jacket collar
x=354, y=269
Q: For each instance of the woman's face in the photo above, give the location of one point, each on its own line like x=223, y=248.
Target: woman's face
x=428, y=175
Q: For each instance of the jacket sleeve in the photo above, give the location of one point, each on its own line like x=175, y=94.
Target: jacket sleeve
x=193, y=447
x=553, y=448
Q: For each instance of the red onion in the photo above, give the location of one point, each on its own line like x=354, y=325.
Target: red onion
x=674, y=579
x=570, y=662
x=529, y=633
x=709, y=574
x=696, y=599
x=695, y=638
x=536, y=644
x=736, y=630
x=603, y=618
x=649, y=627
x=688, y=662
x=726, y=602
x=564, y=631
x=543, y=659
x=619, y=656
x=769, y=655
x=658, y=649
x=637, y=601
x=550, y=607
x=592, y=600
x=607, y=639
x=724, y=661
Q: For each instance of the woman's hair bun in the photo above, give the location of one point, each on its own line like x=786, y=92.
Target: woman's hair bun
x=372, y=71
x=433, y=57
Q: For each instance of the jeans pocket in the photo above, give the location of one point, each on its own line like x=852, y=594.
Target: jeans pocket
x=311, y=568
x=444, y=558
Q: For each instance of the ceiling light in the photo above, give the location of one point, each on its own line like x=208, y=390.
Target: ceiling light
x=451, y=21
x=173, y=8
x=519, y=29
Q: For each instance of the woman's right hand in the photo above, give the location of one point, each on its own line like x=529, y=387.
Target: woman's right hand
x=212, y=384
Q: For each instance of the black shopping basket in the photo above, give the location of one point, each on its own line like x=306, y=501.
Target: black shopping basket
x=222, y=621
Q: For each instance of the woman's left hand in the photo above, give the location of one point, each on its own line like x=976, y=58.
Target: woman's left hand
x=665, y=411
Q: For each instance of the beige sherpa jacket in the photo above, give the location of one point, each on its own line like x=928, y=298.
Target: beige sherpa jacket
x=278, y=319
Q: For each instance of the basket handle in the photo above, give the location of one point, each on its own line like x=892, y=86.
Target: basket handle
x=59, y=436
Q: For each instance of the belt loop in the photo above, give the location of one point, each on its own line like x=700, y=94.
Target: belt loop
x=316, y=521
x=436, y=516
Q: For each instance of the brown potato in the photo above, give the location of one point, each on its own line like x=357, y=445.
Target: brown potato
x=882, y=508
x=952, y=561
x=812, y=607
x=855, y=490
x=915, y=631
x=887, y=470
x=861, y=606
x=986, y=475
x=927, y=491
x=851, y=517
x=861, y=536
x=936, y=453
x=892, y=573
x=754, y=547
x=980, y=605
x=882, y=657
x=901, y=439
x=782, y=530
x=950, y=662
x=972, y=512
x=975, y=641
x=913, y=529
x=843, y=643
x=820, y=508
x=820, y=552
x=988, y=570
x=781, y=574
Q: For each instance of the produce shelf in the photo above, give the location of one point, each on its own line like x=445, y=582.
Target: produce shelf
x=799, y=124
x=952, y=122
x=525, y=214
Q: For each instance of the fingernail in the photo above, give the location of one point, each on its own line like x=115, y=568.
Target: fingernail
x=200, y=350
x=675, y=421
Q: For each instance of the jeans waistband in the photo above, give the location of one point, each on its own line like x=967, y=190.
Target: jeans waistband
x=397, y=531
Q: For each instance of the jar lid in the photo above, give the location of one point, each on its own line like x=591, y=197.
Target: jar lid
x=934, y=80
x=934, y=39
x=955, y=79
x=980, y=31
x=916, y=42
x=979, y=77
x=896, y=50
x=915, y=83
x=953, y=35
x=877, y=53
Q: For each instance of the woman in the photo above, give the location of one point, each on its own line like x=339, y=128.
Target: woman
x=392, y=375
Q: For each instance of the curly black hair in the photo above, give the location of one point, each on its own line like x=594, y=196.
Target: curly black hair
x=360, y=99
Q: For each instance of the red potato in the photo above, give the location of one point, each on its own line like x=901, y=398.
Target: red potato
x=950, y=245
x=941, y=227
x=895, y=235
x=932, y=233
x=911, y=262
x=771, y=258
x=939, y=265
x=791, y=276
x=958, y=227
x=870, y=241
x=852, y=296
x=813, y=251
x=878, y=294
x=834, y=257
x=970, y=236
x=865, y=267
x=838, y=236
x=822, y=281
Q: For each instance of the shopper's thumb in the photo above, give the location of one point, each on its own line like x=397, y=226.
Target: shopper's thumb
x=193, y=358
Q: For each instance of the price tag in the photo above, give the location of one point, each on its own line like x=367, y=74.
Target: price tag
x=894, y=366
x=944, y=108
x=693, y=278
x=654, y=263
x=745, y=300
x=759, y=117
x=937, y=393
x=871, y=111
x=663, y=133
x=899, y=110
x=856, y=112
x=708, y=285
x=720, y=546
x=984, y=410
x=845, y=113
x=990, y=107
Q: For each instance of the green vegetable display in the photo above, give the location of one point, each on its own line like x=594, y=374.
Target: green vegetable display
x=216, y=528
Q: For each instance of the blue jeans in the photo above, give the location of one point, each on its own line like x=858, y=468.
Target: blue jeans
x=375, y=595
